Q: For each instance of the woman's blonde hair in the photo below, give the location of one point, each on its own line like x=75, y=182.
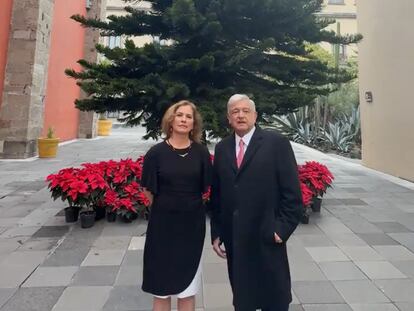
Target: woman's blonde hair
x=168, y=118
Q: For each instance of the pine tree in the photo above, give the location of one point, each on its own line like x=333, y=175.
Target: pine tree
x=215, y=48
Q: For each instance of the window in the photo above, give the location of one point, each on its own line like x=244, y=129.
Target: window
x=114, y=42
x=336, y=1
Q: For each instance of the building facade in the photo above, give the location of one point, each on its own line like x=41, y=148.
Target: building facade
x=386, y=76
x=117, y=8
x=38, y=41
x=344, y=13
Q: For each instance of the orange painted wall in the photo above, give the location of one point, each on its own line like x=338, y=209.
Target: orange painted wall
x=67, y=47
x=5, y=17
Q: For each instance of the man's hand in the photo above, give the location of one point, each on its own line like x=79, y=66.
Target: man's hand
x=277, y=238
x=218, y=249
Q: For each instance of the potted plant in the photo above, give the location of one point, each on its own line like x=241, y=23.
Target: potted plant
x=80, y=187
x=60, y=187
x=48, y=145
x=104, y=125
x=111, y=186
x=125, y=196
x=318, y=178
x=307, y=195
x=91, y=200
x=110, y=214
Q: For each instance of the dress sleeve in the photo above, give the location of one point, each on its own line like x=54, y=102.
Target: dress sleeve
x=149, y=178
x=207, y=170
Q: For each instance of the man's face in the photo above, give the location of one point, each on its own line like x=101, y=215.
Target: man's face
x=241, y=117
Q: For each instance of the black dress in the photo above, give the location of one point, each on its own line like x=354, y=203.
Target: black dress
x=176, y=227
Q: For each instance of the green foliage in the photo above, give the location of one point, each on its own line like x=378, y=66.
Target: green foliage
x=215, y=49
x=320, y=53
x=50, y=132
x=296, y=125
x=340, y=134
x=344, y=99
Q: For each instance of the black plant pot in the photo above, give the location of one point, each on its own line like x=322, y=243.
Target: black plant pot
x=305, y=218
x=316, y=204
x=99, y=213
x=111, y=216
x=71, y=214
x=87, y=219
x=127, y=218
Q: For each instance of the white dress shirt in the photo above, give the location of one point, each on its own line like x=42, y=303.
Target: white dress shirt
x=246, y=140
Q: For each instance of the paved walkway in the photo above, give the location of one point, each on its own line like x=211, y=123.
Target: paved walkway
x=358, y=254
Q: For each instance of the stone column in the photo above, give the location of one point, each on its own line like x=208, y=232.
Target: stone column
x=21, y=112
x=87, y=120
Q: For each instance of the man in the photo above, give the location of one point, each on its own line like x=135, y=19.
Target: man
x=256, y=205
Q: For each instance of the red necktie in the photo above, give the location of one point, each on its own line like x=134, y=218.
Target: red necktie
x=240, y=154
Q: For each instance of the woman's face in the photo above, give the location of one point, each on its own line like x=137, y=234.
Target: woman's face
x=183, y=121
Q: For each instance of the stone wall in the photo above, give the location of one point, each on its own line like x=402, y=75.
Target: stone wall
x=22, y=108
x=21, y=114
x=87, y=120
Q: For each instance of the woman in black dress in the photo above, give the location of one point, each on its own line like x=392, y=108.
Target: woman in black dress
x=176, y=172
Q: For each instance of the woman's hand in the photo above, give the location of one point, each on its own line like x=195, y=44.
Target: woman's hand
x=221, y=252
x=149, y=195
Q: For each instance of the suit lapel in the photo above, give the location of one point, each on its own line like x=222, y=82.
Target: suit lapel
x=253, y=146
x=231, y=152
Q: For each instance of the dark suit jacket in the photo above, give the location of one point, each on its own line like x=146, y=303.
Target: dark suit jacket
x=248, y=206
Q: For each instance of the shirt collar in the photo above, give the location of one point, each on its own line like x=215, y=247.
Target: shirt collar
x=246, y=138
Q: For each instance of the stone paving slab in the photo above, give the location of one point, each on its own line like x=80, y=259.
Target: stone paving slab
x=342, y=271
x=33, y=299
x=6, y=294
x=360, y=291
x=357, y=254
x=50, y=276
x=95, y=276
x=77, y=298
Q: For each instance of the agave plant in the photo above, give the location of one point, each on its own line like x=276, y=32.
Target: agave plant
x=354, y=122
x=305, y=134
x=298, y=126
x=338, y=136
x=341, y=134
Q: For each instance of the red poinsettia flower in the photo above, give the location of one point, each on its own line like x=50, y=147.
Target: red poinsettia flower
x=307, y=194
x=316, y=176
x=143, y=199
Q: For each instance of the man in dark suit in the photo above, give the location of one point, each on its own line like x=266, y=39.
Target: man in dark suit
x=256, y=205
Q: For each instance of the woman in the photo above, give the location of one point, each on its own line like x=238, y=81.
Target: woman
x=176, y=172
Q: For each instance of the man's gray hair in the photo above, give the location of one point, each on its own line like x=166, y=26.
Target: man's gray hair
x=238, y=97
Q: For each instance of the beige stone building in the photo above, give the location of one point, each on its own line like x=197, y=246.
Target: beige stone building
x=386, y=76
x=344, y=12
x=116, y=7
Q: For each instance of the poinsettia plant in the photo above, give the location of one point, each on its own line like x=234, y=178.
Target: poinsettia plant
x=307, y=195
x=79, y=187
x=125, y=195
x=116, y=185
x=316, y=176
x=110, y=184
